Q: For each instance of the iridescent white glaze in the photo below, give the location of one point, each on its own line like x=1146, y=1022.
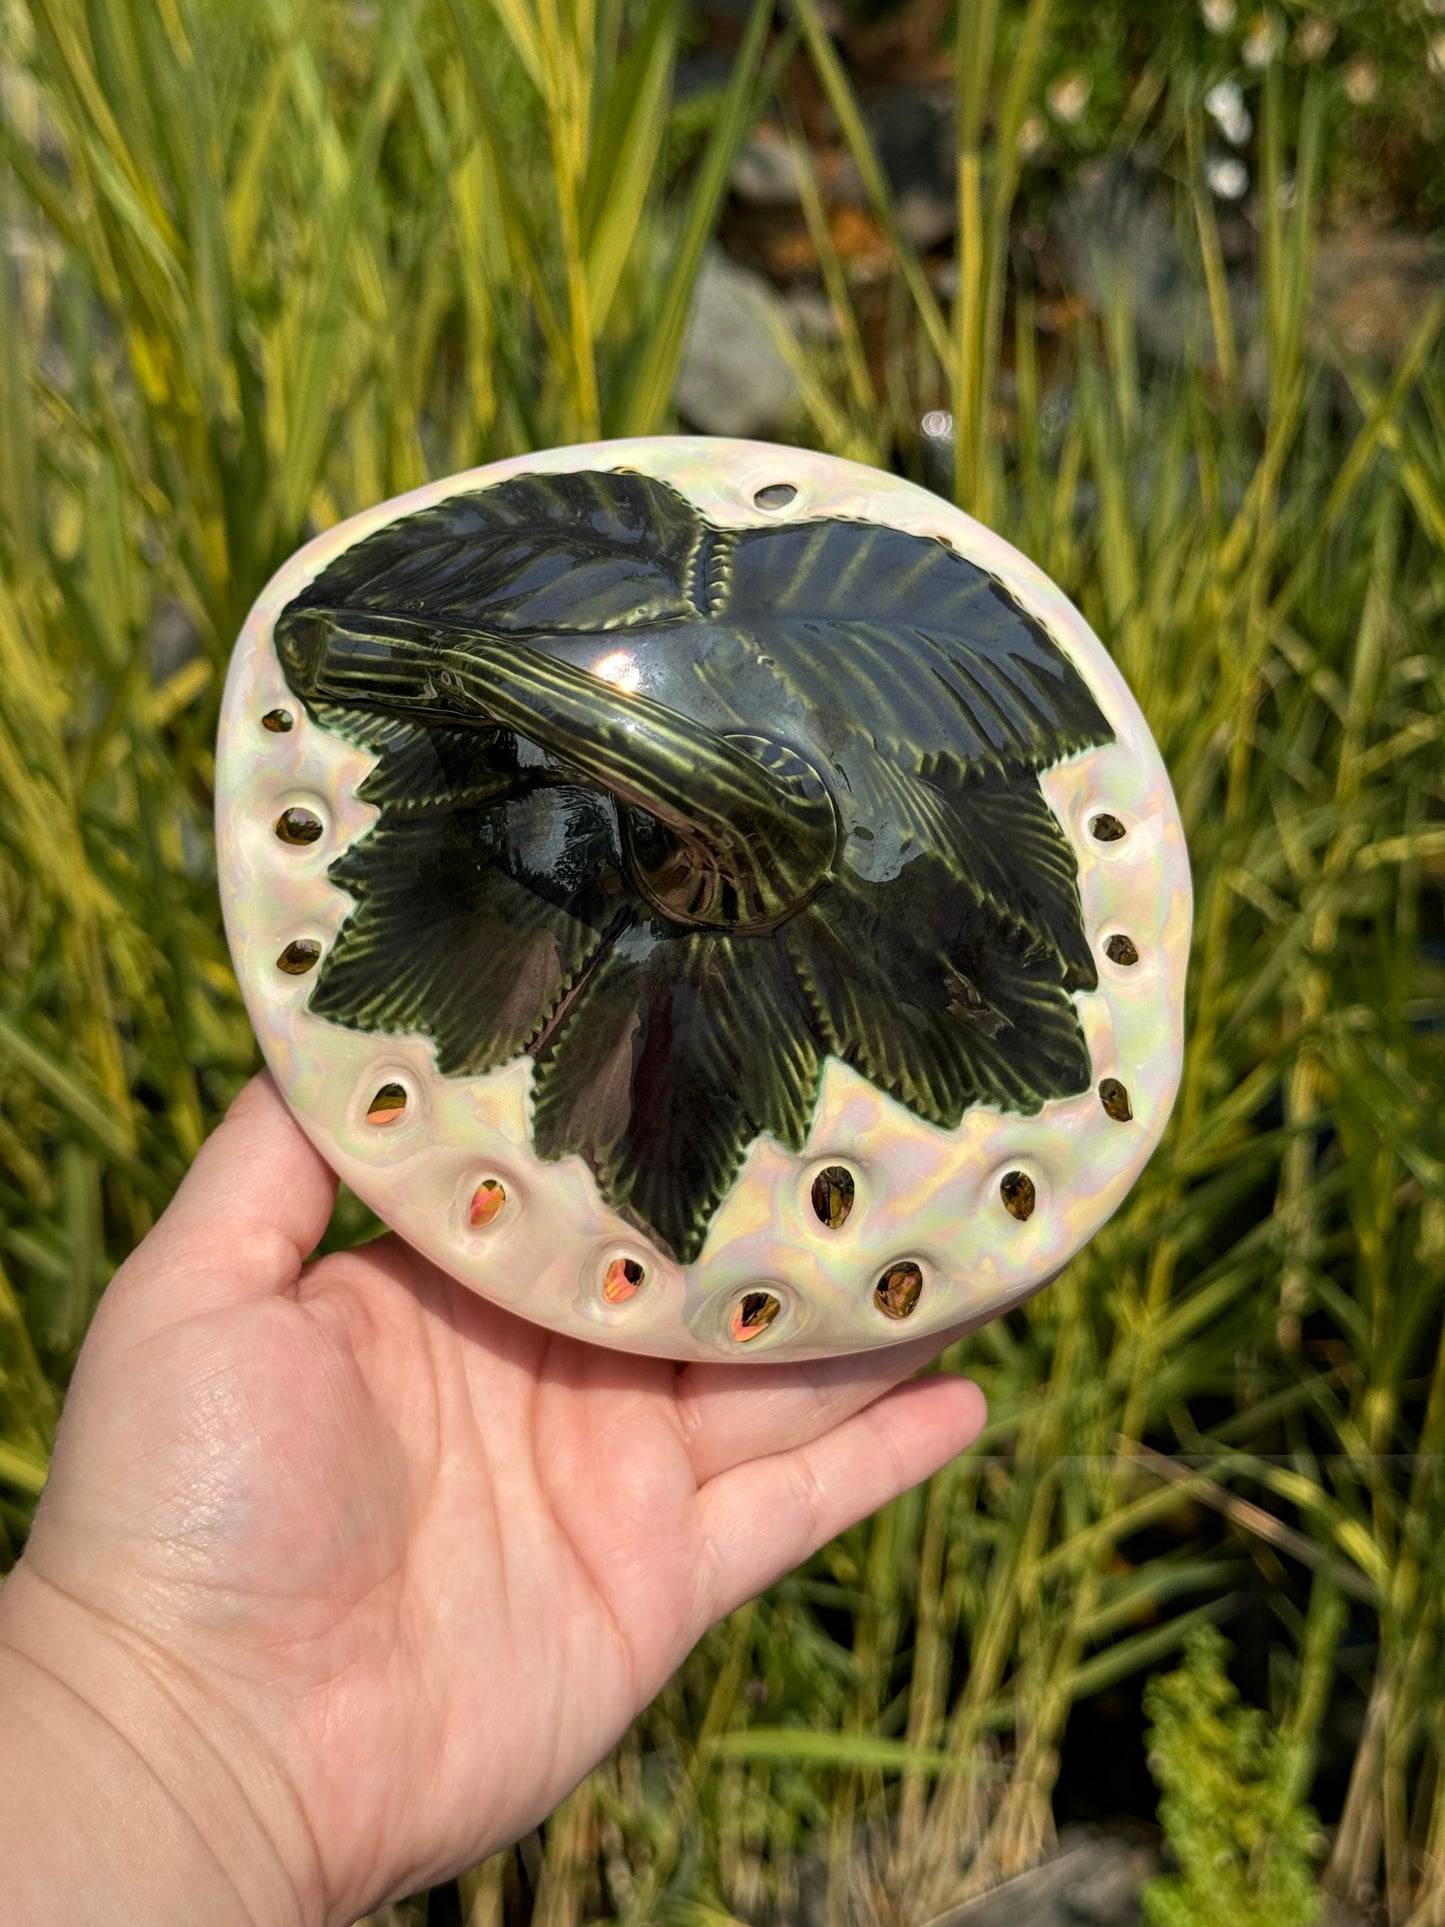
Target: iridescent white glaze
x=923, y=1194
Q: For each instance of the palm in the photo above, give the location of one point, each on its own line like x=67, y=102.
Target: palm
x=434, y=1557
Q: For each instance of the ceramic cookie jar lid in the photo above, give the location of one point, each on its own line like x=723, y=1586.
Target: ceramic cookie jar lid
x=715, y=900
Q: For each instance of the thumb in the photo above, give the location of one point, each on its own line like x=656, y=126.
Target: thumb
x=248, y=1213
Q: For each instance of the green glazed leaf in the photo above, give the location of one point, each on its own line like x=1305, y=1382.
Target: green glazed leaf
x=683, y=1050
x=816, y=830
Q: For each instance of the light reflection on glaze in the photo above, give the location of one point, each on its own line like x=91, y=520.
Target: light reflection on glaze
x=931, y=1192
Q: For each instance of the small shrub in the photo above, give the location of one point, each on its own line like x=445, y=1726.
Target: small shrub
x=1242, y=1842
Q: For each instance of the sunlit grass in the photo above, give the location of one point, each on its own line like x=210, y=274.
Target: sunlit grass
x=267, y=266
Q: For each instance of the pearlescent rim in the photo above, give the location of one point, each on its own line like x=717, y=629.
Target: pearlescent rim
x=924, y=1195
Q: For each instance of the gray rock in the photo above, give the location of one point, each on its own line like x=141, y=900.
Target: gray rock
x=735, y=379
x=912, y=133
x=811, y=314
x=1113, y=233
x=1092, y=1881
x=765, y=172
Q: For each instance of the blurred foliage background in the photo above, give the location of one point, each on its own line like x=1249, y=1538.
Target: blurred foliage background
x=1158, y=297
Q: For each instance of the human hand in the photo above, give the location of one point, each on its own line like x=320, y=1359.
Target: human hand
x=344, y=1577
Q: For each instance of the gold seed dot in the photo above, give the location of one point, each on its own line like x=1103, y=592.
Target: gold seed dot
x=776, y=495
x=387, y=1106
x=278, y=721
x=1106, y=828
x=298, y=826
x=753, y=1313
x=897, y=1291
x=621, y=1280
x=833, y=1191
x=299, y=956
x=1017, y=1191
x=1115, y=1100
x=487, y=1201
x=1120, y=949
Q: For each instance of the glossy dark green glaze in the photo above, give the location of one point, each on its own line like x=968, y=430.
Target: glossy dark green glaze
x=815, y=829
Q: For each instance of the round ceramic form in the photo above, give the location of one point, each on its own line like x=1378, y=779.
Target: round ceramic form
x=713, y=899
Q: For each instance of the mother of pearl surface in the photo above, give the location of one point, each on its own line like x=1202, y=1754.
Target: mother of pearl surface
x=923, y=1195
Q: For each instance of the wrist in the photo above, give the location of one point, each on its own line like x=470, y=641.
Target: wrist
x=128, y=1794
